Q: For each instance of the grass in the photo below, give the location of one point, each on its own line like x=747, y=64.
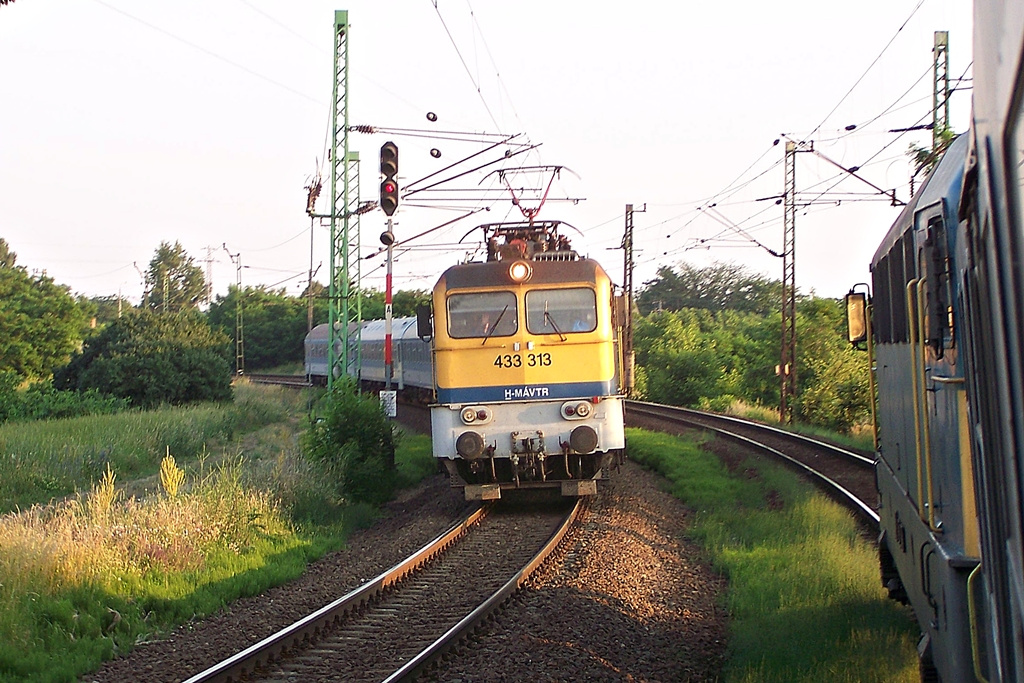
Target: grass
x=50, y=459
x=86, y=577
x=804, y=594
x=859, y=438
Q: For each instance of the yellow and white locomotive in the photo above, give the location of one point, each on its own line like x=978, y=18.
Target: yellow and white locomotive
x=528, y=366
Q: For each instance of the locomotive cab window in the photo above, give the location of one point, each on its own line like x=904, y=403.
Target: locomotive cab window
x=482, y=314
x=561, y=311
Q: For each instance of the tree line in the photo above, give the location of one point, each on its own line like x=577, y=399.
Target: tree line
x=707, y=338
x=704, y=337
x=109, y=353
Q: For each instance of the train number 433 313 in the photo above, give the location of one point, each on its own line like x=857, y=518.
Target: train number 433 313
x=515, y=360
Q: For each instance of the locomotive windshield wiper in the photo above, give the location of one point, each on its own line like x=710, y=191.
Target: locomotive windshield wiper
x=551, y=321
x=494, y=326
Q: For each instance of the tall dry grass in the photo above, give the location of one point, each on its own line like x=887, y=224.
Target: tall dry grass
x=109, y=542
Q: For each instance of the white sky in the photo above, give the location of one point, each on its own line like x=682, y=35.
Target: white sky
x=124, y=124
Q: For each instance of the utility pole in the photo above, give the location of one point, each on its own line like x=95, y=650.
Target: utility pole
x=343, y=349
x=940, y=91
x=239, y=329
x=787, y=365
x=309, y=283
x=627, y=287
x=208, y=295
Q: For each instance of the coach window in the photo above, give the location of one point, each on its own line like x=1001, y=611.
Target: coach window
x=561, y=311
x=482, y=314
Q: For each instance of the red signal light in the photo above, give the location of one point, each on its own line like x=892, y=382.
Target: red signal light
x=389, y=169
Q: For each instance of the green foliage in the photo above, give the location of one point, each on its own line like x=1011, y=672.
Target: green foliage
x=833, y=390
x=406, y=301
x=715, y=288
x=153, y=358
x=40, y=401
x=46, y=459
x=7, y=257
x=804, y=597
x=100, y=310
x=82, y=582
x=274, y=324
x=403, y=303
x=40, y=321
x=354, y=439
x=927, y=158
x=414, y=459
x=707, y=357
x=173, y=282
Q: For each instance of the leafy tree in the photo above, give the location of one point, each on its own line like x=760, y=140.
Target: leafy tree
x=715, y=288
x=372, y=304
x=702, y=358
x=100, y=310
x=927, y=158
x=173, y=282
x=153, y=358
x=7, y=257
x=40, y=321
x=320, y=302
x=405, y=301
x=274, y=325
x=832, y=380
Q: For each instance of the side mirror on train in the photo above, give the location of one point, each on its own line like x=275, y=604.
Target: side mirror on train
x=856, y=318
x=424, y=327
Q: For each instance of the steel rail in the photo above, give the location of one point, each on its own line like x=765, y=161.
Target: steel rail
x=417, y=664
x=245, y=662
x=857, y=458
x=284, y=380
x=694, y=418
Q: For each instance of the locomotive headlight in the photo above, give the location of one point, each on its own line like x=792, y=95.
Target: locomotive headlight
x=520, y=271
x=471, y=414
x=577, y=410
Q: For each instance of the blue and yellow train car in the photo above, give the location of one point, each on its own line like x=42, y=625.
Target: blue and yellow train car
x=528, y=366
x=930, y=541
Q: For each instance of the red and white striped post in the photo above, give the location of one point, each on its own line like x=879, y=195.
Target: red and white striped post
x=389, y=238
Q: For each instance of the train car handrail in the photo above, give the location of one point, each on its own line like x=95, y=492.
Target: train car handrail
x=925, y=421
x=913, y=332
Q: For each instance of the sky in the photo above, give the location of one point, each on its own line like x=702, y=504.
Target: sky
x=127, y=124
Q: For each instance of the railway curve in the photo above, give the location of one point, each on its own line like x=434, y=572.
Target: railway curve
x=846, y=476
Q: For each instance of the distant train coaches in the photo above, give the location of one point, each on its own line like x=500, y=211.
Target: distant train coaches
x=527, y=366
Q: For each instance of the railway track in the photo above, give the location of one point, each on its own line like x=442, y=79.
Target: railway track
x=393, y=626
x=846, y=476
x=284, y=380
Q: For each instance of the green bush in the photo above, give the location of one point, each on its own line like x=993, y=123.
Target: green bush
x=153, y=358
x=353, y=438
x=40, y=401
